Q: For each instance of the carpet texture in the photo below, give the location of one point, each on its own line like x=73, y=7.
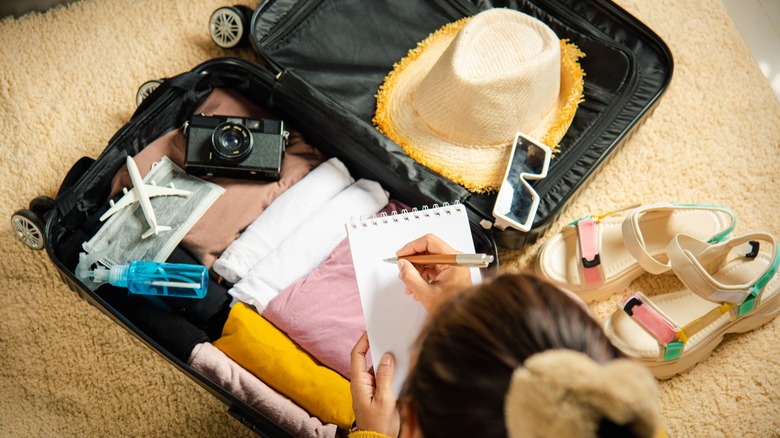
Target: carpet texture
x=68, y=79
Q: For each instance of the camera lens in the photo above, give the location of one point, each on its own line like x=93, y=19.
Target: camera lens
x=231, y=141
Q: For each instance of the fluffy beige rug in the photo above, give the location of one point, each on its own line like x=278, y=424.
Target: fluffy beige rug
x=68, y=79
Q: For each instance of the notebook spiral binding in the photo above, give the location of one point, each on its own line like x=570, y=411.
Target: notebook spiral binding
x=406, y=215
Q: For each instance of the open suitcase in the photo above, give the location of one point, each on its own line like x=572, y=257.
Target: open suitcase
x=329, y=96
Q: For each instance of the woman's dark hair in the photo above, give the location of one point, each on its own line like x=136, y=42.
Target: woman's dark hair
x=474, y=341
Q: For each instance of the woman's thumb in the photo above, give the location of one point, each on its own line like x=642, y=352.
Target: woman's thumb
x=384, y=376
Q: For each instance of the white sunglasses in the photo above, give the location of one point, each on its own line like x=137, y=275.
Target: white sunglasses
x=517, y=201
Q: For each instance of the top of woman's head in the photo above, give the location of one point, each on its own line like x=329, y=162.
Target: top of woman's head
x=472, y=345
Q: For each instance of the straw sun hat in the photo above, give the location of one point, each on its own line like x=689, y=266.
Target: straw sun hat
x=455, y=102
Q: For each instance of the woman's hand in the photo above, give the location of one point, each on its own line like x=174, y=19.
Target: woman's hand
x=429, y=284
x=372, y=398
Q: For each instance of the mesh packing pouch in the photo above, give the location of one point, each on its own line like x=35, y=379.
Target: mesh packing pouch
x=121, y=234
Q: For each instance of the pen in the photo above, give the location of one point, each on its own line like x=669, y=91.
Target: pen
x=464, y=260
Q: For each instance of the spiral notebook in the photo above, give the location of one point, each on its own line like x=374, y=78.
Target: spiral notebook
x=394, y=319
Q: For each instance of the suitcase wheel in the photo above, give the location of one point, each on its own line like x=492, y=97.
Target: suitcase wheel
x=145, y=90
x=42, y=205
x=29, y=228
x=229, y=26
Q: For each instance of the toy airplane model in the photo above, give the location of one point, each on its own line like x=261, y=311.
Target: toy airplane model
x=141, y=193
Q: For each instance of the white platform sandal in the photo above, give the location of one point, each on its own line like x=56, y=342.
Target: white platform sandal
x=732, y=287
x=597, y=256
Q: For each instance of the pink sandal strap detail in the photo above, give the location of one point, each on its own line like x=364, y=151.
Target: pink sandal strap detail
x=649, y=318
x=588, y=237
x=589, y=244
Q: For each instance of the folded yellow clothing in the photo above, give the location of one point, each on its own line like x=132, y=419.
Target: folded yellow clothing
x=269, y=354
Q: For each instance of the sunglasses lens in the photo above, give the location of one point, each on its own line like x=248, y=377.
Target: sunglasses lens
x=520, y=208
x=534, y=160
x=528, y=157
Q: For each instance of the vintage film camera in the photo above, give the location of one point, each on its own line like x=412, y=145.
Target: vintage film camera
x=235, y=147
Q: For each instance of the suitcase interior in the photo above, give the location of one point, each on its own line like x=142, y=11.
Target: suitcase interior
x=332, y=108
x=340, y=52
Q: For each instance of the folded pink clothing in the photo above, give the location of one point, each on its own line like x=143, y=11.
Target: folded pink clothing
x=322, y=312
x=243, y=200
x=222, y=370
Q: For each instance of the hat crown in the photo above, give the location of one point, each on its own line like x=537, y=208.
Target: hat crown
x=500, y=75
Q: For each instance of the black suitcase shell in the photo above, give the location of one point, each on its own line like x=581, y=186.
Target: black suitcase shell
x=336, y=119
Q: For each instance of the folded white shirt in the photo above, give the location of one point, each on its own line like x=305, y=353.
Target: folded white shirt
x=309, y=244
x=284, y=214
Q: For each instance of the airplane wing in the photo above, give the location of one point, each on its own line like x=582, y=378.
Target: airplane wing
x=129, y=198
x=149, y=190
x=152, y=191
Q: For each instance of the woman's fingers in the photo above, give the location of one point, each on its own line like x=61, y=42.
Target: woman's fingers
x=357, y=357
x=427, y=244
x=384, y=379
x=411, y=277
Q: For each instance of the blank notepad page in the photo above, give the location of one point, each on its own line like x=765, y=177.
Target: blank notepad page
x=394, y=319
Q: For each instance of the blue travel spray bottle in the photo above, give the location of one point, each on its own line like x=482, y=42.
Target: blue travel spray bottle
x=151, y=278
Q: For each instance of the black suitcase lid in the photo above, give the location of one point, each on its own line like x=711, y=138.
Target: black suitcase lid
x=336, y=55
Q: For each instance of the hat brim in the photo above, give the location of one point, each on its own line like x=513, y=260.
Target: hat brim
x=478, y=169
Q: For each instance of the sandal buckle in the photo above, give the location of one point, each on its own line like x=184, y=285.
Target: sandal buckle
x=673, y=350
x=747, y=306
x=630, y=304
x=754, y=246
x=591, y=263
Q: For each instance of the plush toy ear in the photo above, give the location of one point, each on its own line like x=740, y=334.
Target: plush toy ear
x=565, y=393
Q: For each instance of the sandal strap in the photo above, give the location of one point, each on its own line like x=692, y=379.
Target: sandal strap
x=589, y=245
x=589, y=239
x=650, y=318
x=690, y=257
x=671, y=339
x=635, y=241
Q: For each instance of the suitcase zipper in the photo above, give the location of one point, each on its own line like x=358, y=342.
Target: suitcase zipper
x=292, y=19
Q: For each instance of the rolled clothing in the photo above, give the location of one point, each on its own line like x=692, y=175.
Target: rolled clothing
x=270, y=355
x=155, y=318
x=291, y=208
x=225, y=372
x=243, y=200
x=308, y=245
x=322, y=312
x=209, y=313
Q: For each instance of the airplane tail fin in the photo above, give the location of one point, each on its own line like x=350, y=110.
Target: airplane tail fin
x=155, y=230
